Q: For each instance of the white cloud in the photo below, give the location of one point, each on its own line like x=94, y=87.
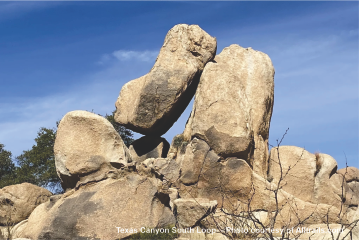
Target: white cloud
x=145, y=56
x=127, y=56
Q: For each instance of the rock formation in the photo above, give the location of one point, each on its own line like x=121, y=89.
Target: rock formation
x=217, y=173
x=18, y=201
x=192, y=211
x=159, y=98
x=87, y=143
x=233, y=106
x=94, y=211
x=149, y=147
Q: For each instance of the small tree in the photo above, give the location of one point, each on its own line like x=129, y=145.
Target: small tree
x=37, y=165
x=7, y=167
x=126, y=134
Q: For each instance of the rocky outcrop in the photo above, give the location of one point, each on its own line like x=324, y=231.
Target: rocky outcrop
x=233, y=105
x=189, y=212
x=158, y=99
x=148, y=147
x=203, y=175
x=317, y=173
x=294, y=164
x=163, y=168
x=95, y=211
x=18, y=201
x=351, y=176
x=15, y=231
x=87, y=148
x=350, y=173
x=220, y=162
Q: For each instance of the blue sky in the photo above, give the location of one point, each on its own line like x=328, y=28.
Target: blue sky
x=57, y=57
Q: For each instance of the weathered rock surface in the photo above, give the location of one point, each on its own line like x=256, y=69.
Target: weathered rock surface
x=15, y=231
x=316, y=233
x=349, y=186
x=87, y=148
x=233, y=105
x=298, y=171
x=18, y=229
x=151, y=104
x=94, y=211
x=203, y=175
x=191, y=211
x=163, y=168
x=311, y=177
x=149, y=147
x=192, y=161
x=326, y=167
x=18, y=201
x=350, y=174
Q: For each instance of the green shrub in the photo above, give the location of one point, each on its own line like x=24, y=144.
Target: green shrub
x=177, y=141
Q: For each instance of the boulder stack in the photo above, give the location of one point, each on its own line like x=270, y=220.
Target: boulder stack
x=233, y=106
x=217, y=173
x=151, y=104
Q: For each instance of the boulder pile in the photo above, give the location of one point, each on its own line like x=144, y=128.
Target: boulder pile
x=219, y=168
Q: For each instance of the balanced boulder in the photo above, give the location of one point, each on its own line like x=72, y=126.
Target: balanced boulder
x=87, y=148
x=233, y=105
x=152, y=103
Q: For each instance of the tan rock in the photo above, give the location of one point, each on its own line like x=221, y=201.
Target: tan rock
x=193, y=234
x=354, y=186
x=87, y=148
x=350, y=173
x=298, y=171
x=216, y=236
x=151, y=104
x=347, y=192
x=173, y=194
x=321, y=231
x=323, y=189
x=149, y=147
x=18, y=201
x=203, y=175
x=236, y=177
x=346, y=185
x=339, y=186
x=233, y=105
x=163, y=168
x=189, y=212
x=95, y=211
x=191, y=161
x=18, y=229
x=293, y=209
